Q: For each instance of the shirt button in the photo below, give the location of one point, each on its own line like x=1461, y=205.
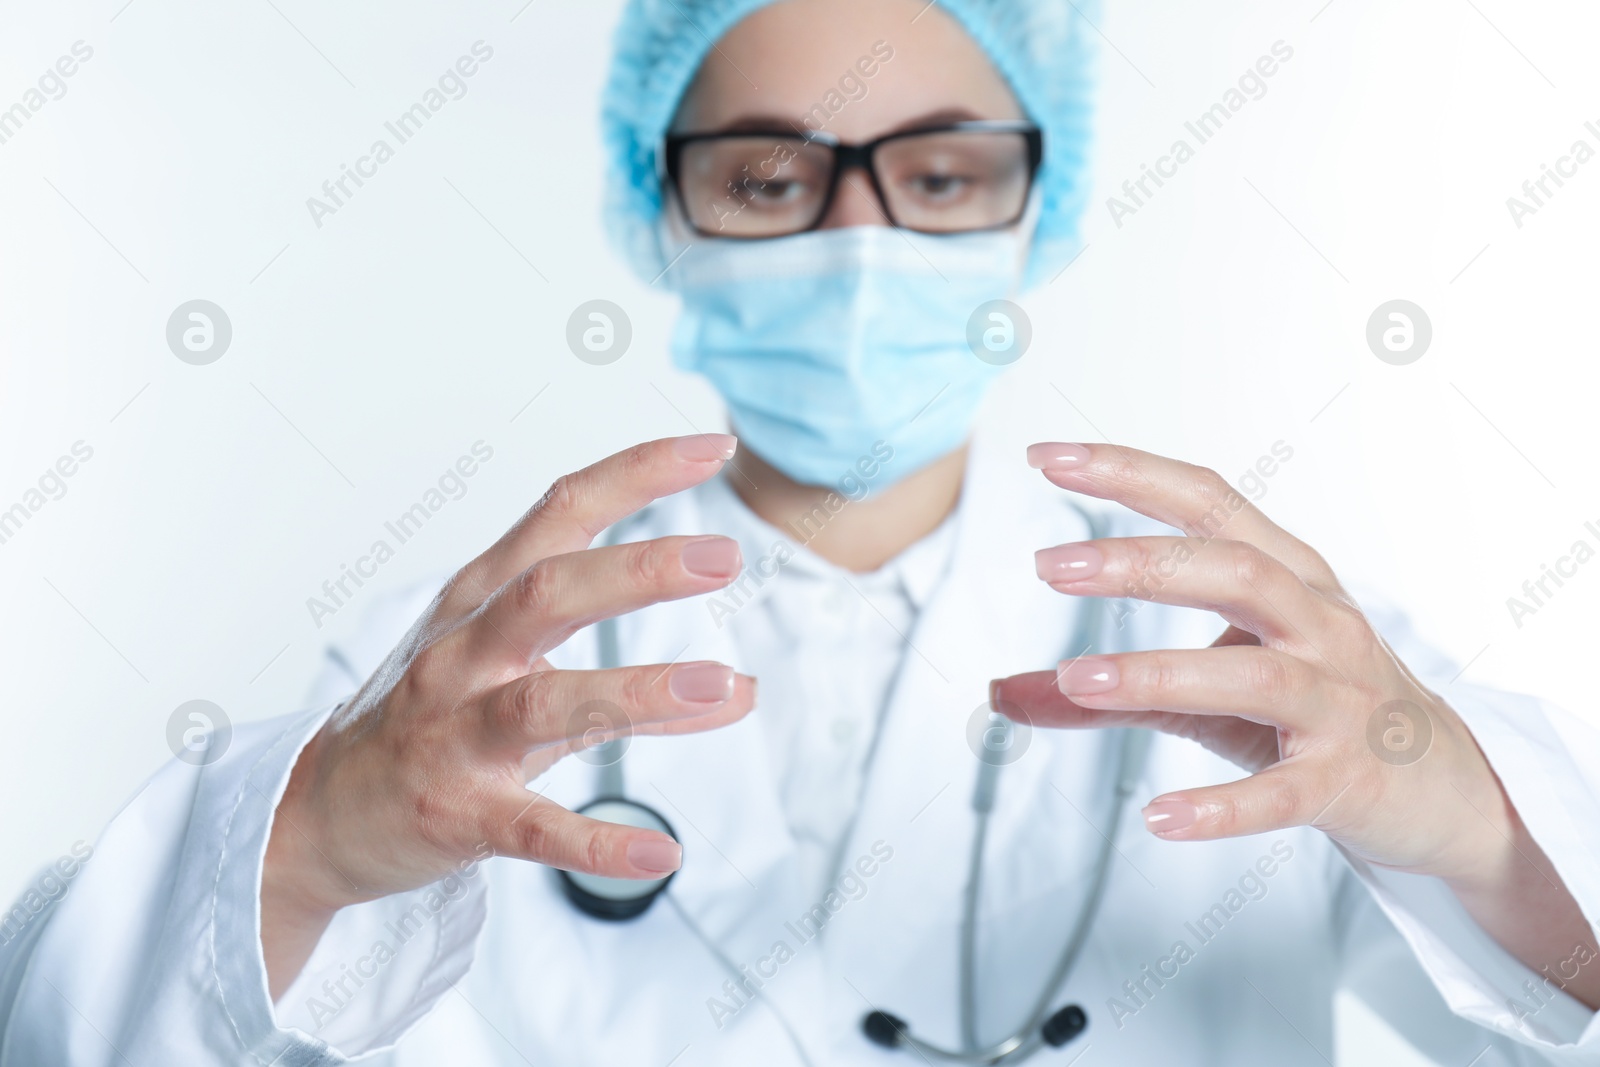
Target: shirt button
x=836, y=600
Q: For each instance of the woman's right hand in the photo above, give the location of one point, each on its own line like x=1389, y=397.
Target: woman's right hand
x=426, y=767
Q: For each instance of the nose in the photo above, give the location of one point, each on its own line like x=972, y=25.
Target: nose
x=855, y=202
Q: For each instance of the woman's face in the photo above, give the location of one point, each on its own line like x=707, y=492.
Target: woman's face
x=855, y=69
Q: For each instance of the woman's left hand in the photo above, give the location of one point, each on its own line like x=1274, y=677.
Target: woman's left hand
x=1299, y=689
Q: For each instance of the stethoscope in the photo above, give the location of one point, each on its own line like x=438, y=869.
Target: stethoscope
x=617, y=899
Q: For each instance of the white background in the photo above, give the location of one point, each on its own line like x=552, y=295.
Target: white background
x=1227, y=314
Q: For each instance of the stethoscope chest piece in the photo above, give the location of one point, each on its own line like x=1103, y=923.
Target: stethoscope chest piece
x=617, y=899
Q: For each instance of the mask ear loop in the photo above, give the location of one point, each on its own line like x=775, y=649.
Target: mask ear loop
x=672, y=232
x=1026, y=227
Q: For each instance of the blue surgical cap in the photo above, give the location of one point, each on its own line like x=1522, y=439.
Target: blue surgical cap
x=1041, y=47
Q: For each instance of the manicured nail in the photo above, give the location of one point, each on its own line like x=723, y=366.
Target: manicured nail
x=1068, y=563
x=1164, y=816
x=1057, y=457
x=702, y=683
x=1087, y=675
x=706, y=447
x=656, y=855
x=711, y=557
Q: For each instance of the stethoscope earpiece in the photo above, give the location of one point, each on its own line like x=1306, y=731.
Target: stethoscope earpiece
x=617, y=899
x=1063, y=1026
x=883, y=1029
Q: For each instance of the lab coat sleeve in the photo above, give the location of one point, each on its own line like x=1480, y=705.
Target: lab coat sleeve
x=1549, y=763
x=153, y=955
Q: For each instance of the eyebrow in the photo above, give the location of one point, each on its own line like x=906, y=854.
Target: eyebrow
x=773, y=123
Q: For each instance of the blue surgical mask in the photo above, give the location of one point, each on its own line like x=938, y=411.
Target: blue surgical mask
x=835, y=347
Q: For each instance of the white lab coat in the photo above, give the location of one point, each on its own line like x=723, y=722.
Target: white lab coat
x=153, y=955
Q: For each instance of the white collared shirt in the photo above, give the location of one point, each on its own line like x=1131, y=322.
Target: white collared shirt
x=826, y=645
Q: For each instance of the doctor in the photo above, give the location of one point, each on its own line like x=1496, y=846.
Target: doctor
x=872, y=858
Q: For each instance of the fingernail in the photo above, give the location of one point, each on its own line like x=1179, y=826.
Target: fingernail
x=706, y=447
x=1057, y=457
x=1087, y=675
x=1068, y=563
x=656, y=855
x=994, y=695
x=702, y=683
x=711, y=557
x=1164, y=816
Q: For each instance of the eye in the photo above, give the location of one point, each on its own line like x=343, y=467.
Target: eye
x=777, y=192
x=936, y=187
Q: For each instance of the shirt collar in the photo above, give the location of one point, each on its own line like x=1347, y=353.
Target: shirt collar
x=915, y=572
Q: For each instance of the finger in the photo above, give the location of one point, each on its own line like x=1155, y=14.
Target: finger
x=540, y=760
x=1286, y=794
x=589, y=707
x=574, y=510
x=557, y=596
x=1036, y=698
x=1237, y=580
x=526, y=826
x=1196, y=500
x=1263, y=685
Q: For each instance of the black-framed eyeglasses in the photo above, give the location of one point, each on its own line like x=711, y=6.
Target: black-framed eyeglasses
x=952, y=178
